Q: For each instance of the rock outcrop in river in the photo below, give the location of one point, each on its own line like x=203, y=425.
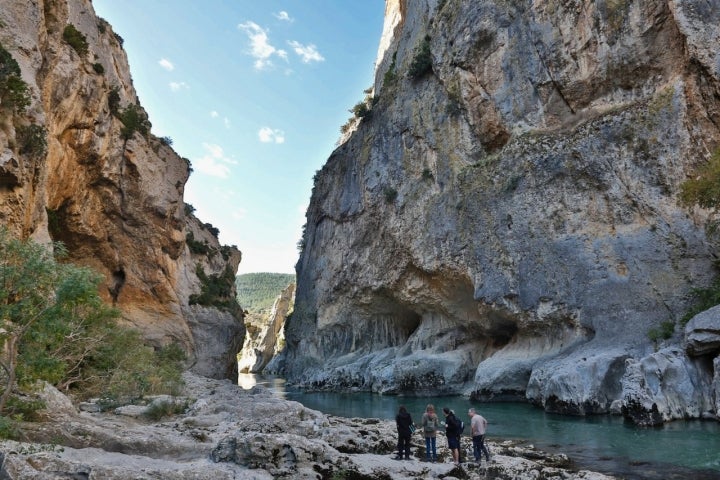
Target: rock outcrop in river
x=79, y=165
x=504, y=222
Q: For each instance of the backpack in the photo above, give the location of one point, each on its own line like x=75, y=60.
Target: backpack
x=432, y=425
x=458, y=425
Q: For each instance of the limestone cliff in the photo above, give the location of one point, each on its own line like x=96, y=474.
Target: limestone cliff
x=265, y=336
x=505, y=222
x=106, y=187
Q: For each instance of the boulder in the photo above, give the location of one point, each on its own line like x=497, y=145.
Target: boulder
x=702, y=333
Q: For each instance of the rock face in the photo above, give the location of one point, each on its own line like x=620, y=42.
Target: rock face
x=505, y=223
x=265, y=335
x=112, y=195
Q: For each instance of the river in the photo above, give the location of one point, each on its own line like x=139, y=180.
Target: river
x=677, y=450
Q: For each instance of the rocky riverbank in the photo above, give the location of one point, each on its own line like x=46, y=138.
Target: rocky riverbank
x=226, y=432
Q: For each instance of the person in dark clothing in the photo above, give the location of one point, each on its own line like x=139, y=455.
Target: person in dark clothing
x=404, y=422
x=452, y=432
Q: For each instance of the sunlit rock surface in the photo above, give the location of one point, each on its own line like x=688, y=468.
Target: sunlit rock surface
x=116, y=203
x=506, y=225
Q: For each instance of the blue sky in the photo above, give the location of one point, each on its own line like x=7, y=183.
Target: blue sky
x=253, y=93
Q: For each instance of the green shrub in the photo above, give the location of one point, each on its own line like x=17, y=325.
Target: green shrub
x=705, y=298
x=704, y=188
x=24, y=409
x=114, y=100
x=390, y=78
x=32, y=140
x=189, y=209
x=167, y=141
x=422, y=62
x=345, y=127
x=427, y=174
x=361, y=110
x=454, y=105
x=134, y=119
x=131, y=370
x=196, y=246
x=226, y=251
x=214, y=231
x=75, y=39
x=390, y=194
x=303, y=242
x=160, y=410
x=8, y=429
x=99, y=69
x=664, y=331
x=14, y=91
x=216, y=291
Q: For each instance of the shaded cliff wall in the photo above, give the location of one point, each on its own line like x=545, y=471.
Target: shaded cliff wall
x=114, y=199
x=505, y=224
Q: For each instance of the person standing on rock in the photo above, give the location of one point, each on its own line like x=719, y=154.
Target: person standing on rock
x=452, y=432
x=478, y=426
x=404, y=424
x=430, y=424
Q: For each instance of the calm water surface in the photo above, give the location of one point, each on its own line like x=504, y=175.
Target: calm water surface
x=677, y=450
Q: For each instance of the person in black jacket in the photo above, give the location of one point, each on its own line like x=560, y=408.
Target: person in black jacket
x=404, y=422
x=452, y=432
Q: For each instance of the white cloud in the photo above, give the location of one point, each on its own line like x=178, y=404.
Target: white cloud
x=214, y=114
x=239, y=213
x=284, y=16
x=214, y=162
x=308, y=53
x=270, y=135
x=226, y=122
x=260, y=48
x=177, y=86
x=166, y=64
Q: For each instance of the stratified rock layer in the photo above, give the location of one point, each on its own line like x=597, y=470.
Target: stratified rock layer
x=113, y=197
x=505, y=223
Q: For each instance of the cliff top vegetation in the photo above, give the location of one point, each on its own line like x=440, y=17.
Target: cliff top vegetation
x=256, y=292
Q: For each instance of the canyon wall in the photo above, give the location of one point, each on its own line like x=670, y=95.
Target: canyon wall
x=107, y=188
x=265, y=334
x=505, y=223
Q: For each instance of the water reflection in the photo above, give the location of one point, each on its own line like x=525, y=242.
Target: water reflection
x=681, y=449
x=276, y=384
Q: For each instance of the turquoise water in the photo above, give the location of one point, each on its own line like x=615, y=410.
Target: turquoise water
x=677, y=450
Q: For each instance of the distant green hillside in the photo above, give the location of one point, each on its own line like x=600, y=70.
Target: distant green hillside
x=256, y=292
